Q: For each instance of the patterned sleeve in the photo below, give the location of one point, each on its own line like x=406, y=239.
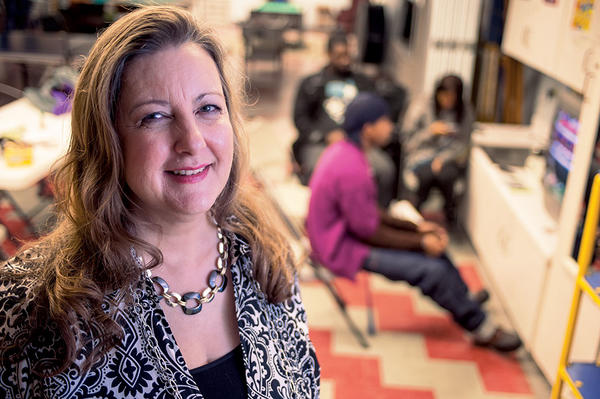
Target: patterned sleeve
x=307, y=357
x=16, y=298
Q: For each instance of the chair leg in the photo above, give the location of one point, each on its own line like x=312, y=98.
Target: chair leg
x=371, y=329
x=341, y=305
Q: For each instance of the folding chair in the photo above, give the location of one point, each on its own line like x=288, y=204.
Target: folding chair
x=321, y=274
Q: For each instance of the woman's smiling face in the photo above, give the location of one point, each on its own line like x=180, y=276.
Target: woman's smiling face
x=177, y=136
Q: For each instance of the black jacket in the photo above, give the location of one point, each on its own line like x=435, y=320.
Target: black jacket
x=310, y=116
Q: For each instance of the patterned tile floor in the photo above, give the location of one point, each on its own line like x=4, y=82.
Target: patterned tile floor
x=417, y=351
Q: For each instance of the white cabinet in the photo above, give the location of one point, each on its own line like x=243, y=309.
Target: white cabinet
x=529, y=24
x=513, y=234
x=548, y=36
x=526, y=252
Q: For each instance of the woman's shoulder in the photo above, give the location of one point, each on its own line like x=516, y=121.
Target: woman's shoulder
x=21, y=270
x=19, y=277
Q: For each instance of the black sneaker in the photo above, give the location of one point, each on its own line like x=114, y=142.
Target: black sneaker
x=501, y=340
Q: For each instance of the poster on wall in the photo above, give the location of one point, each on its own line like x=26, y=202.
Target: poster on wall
x=583, y=15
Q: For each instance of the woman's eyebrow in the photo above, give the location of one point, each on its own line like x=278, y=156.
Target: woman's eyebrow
x=201, y=96
x=151, y=101
x=166, y=103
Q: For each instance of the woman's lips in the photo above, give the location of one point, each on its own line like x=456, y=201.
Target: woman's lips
x=190, y=175
x=189, y=172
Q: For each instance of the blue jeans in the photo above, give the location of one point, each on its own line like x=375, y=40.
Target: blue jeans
x=436, y=277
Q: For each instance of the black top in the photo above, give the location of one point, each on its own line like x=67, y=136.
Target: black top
x=224, y=377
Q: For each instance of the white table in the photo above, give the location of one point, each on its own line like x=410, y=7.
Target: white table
x=49, y=134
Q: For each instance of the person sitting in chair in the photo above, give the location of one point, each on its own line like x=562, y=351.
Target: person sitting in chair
x=319, y=109
x=348, y=232
x=437, y=145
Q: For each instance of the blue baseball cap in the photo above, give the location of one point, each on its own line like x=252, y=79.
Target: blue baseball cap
x=365, y=108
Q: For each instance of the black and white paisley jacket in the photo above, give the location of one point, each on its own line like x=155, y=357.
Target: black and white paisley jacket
x=279, y=357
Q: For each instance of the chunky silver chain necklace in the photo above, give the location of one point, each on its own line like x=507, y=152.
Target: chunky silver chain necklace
x=191, y=302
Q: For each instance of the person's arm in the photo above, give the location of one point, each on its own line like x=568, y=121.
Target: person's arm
x=432, y=242
x=418, y=116
x=389, y=237
x=412, y=230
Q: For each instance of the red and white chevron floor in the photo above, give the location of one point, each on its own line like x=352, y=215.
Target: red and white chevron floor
x=417, y=352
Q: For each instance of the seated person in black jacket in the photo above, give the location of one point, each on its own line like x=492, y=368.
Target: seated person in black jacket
x=319, y=109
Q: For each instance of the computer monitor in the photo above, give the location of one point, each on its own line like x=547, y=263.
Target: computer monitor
x=559, y=156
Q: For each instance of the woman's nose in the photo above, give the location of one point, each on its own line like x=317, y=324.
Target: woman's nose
x=189, y=138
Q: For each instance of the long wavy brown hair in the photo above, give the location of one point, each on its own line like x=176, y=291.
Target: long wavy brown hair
x=88, y=254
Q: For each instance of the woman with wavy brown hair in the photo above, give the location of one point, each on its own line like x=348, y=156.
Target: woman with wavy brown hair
x=165, y=276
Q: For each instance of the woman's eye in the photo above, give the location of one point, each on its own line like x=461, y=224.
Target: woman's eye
x=151, y=118
x=210, y=108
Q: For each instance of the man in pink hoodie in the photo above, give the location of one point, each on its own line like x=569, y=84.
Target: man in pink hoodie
x=348, y=232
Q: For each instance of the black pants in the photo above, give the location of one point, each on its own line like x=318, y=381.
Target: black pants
x=444, y=180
